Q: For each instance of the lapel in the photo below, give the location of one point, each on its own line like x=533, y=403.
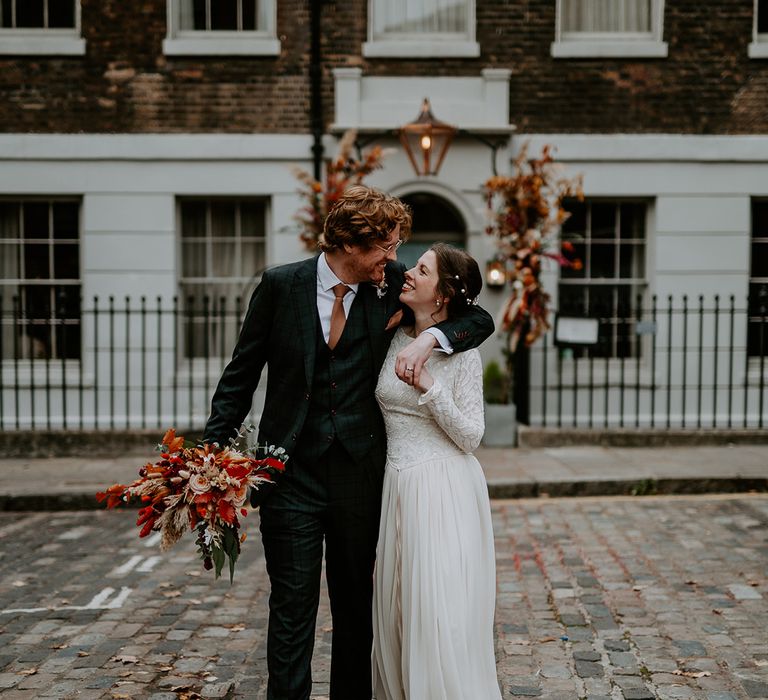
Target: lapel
x=375, y=318
x=304, y=295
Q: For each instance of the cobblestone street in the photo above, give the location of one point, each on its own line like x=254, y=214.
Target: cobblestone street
x=653, y=597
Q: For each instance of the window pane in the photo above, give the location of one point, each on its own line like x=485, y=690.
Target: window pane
x=757, y=328
x=762, y=16
x=249, y=15
x=29, y=13
x=193, y=258
x=37, y=302
x=36, y=261
x=68, y=340
x=760, y=218
x=6, y=15
x=193, y=15
x=223, y=219
x=65, y=220
x=9, y=220
x=252, y=257
x=602, y=262
x=224, y=14
x=759, y=260
x=252, y=219
x=61, y=13
x=632, y=217
x=757, y=338
x=66, y=263
x=420, y=17
x=632, y=261
x=68, y=301
x=606, y=16
x=224, y=259
x=603, y=224
x=573, y=300
x=35, y=220
x=193, y=219
x=576, y=223
x=602, y=302
x=10, y=267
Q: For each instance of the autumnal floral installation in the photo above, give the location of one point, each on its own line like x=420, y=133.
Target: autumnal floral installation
x=526, y=210
x=202, y=488
x=343, y=171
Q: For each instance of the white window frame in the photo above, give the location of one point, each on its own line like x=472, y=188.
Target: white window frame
x=404, y=45
x=185, y=42
x=611, y=45
x=759, y=46
x=31, y=41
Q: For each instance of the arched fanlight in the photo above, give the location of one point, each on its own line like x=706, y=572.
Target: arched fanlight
x=426, y=141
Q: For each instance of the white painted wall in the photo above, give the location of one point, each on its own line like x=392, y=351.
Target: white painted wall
x=698, y=188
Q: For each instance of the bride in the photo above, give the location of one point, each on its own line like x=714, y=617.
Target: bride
x=435, y=582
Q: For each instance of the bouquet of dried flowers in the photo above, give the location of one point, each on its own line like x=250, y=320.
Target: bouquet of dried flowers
x=526, y=210
x=341, y=172
x=199, y=487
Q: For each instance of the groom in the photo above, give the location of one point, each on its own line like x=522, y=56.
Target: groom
x=323, y=327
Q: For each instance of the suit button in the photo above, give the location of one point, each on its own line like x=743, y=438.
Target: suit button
x=329, y=438
x=333, y=385
x=293, y=437
x=333, y=358
x=333, y=411
x=306, y=397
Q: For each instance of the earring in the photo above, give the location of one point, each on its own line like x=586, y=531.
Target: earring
x=437, y=302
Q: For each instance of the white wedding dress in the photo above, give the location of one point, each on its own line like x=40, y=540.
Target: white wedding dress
x=435, y=580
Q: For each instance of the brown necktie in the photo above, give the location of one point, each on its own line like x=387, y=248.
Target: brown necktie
x=338, y=317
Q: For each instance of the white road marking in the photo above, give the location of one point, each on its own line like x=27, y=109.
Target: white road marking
x=125, y=568
x=149, y=564
x=153, y=539
x=99, y=602
x=75, y=533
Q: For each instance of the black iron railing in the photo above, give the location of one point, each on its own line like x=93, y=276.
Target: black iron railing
x=691, y=363
x=144, y=363
x=140, y=363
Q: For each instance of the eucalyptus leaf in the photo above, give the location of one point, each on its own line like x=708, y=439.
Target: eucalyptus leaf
x=217, y=554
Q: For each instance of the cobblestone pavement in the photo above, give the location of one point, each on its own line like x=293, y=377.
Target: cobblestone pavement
x=655, y=597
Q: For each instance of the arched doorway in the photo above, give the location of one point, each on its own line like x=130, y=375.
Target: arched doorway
x=434, y=219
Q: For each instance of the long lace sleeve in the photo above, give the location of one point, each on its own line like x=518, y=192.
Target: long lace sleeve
x=458, y=409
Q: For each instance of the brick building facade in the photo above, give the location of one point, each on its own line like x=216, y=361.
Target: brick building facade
x=168, y=130
x=125, y=83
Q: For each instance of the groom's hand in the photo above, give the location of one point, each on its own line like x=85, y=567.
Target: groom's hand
x=412, y=357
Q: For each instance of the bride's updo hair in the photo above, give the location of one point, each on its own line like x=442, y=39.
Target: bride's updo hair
x=459, y=278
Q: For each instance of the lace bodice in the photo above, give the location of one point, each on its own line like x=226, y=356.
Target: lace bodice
x=445, y=421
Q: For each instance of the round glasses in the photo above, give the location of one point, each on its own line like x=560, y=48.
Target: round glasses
x=391, y=247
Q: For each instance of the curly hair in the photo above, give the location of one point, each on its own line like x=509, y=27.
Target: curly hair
x=362, y=216
x=459, y=278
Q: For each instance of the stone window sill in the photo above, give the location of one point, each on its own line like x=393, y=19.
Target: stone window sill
x=21, y=43
x=218, y=45
x=426, y=48
x=758, y=49
x=609, y=49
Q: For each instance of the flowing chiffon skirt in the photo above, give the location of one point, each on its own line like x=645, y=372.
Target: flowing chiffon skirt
x=435, y=584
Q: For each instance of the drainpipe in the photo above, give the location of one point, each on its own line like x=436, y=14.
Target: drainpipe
x=316, y=86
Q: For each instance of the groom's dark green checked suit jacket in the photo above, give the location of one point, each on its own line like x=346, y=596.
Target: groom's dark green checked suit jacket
x=281, y=328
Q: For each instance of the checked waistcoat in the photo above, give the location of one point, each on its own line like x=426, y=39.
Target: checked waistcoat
x=341, y=399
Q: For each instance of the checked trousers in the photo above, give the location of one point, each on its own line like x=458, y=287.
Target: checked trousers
x=335, y=501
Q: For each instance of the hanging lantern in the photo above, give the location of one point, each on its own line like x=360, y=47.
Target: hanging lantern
x=496, y=273
x=426, y=141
